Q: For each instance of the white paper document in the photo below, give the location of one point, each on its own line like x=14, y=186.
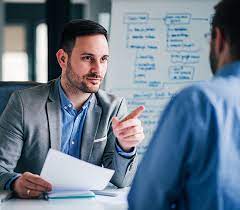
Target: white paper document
x=67, y=173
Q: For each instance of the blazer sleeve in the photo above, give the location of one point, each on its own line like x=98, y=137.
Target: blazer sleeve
x=11, y=138
x=124, y=167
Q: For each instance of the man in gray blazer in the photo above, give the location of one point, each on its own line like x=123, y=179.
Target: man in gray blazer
x=69, y=114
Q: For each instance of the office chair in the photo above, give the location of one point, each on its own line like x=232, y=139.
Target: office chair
x=7, y=88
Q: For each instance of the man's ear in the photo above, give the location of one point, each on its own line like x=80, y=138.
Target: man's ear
x=62, y=58
x=220, y=41
x=222, y=48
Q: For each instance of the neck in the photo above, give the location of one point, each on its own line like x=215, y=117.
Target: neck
x=225, y=57
x=77, y=97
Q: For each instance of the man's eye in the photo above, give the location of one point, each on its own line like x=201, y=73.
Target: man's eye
x=105, y=59
x=87, y=58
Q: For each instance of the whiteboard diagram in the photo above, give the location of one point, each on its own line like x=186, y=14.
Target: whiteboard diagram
x=156, y=49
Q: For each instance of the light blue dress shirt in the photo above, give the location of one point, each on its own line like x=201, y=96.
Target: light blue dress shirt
x=72, y=127
x=193, y=160
x=72, y=124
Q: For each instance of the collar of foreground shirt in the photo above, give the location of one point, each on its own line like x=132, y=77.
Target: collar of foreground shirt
x=231, y=69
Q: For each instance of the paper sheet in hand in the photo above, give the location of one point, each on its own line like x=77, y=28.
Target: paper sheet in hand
x=65, y=172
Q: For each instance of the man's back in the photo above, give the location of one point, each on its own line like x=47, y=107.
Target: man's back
x=229, y=139
x=224, y=94
x=189, y=163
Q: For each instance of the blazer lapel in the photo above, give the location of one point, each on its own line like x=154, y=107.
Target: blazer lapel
x=54, y=116
x=90, y=128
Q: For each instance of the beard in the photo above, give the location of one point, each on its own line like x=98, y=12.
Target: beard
x=213, y=58
x=79, y=83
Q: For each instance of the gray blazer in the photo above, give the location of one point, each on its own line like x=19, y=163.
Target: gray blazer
x=31, y=124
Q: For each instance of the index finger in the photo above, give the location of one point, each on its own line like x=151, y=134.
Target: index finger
x=134, y=114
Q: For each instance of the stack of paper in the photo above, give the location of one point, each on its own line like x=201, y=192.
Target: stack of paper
x=67, y=194
x=71, y=177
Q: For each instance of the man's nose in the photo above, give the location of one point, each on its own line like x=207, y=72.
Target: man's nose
x=97, y=67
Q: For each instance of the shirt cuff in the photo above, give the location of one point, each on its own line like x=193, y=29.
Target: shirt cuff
x=125, y=154
x=10, y=181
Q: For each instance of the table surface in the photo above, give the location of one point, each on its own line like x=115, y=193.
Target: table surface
x=98, y=203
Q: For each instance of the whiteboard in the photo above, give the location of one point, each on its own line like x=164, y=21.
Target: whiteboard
x=156, y=49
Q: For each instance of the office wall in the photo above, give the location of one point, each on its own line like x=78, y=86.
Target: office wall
x=1, y=34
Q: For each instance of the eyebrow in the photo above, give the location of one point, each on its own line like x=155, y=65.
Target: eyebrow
x=90, y=54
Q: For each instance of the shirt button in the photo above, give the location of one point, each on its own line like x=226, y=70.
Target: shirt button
x=69, y=105
x=65, y=107
x=72, y=142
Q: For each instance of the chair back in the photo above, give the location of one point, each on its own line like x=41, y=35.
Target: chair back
x=7, y=88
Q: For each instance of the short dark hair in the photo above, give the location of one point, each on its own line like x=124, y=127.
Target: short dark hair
x=227, y=19
x=76, y=28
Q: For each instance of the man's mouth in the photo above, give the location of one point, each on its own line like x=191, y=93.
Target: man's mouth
x=94, y=80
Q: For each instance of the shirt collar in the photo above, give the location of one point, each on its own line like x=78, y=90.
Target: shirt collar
x=66, y=103
x=231, y=69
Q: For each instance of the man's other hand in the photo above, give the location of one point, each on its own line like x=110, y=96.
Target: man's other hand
x=30, y=185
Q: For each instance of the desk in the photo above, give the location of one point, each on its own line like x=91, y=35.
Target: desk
x=97, y=203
